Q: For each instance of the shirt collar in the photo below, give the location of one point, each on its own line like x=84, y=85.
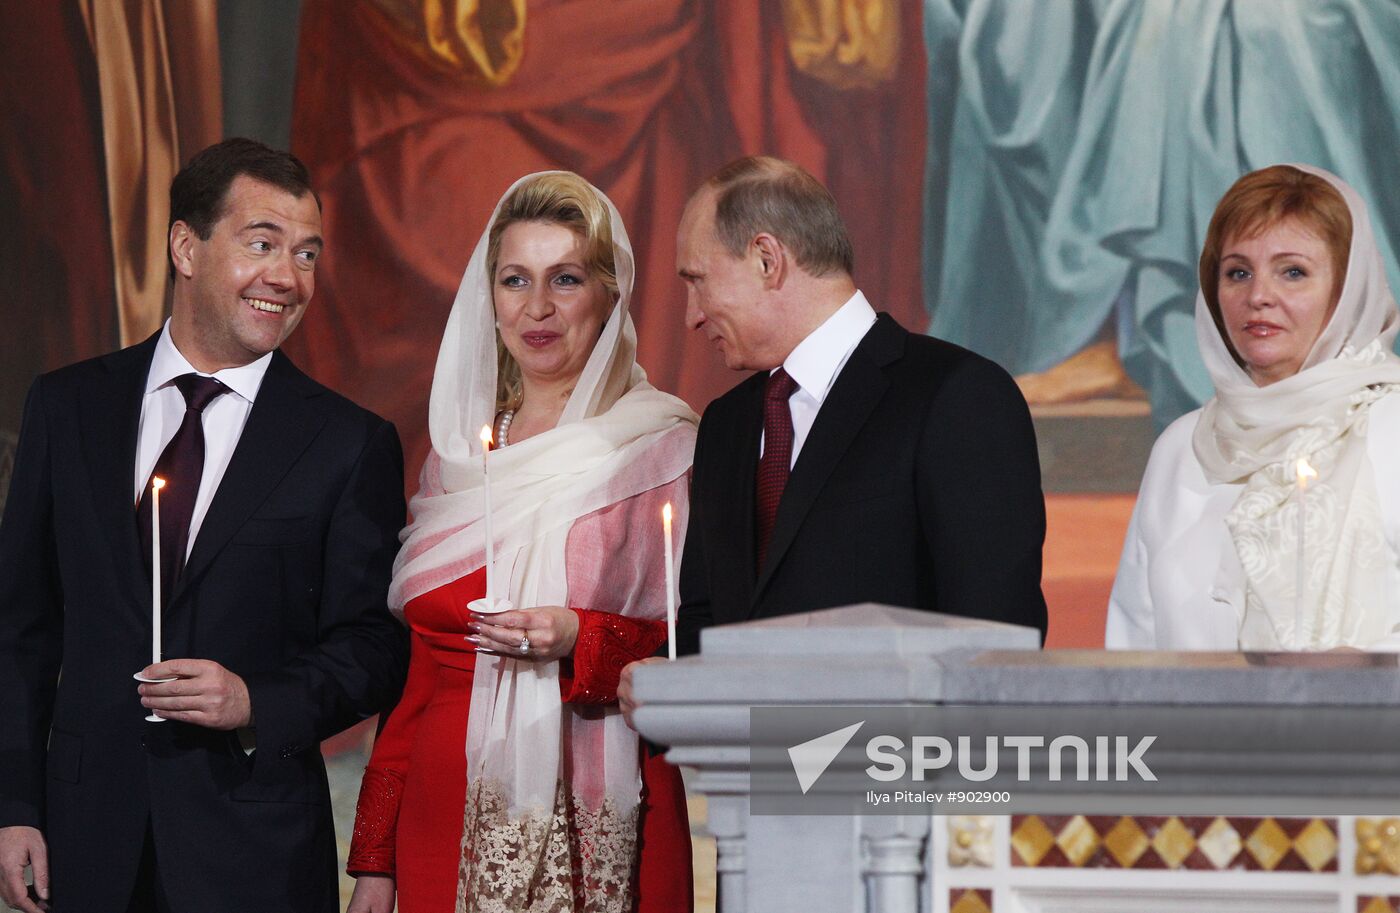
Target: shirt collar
x=815, y=361
x=168, y=364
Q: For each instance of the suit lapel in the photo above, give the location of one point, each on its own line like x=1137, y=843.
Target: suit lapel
x=858, y=389
x=280, y=426
x=111, y=419
x=735, y=508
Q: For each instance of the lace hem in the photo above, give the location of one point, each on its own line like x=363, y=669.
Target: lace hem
x=568, y=860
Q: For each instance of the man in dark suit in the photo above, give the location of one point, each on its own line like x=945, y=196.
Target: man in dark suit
x=278, y=528
x=861, y=463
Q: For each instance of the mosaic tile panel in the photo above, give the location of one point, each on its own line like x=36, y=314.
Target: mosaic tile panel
x=1186, y=842
x=1371, y=904
x=970, y=900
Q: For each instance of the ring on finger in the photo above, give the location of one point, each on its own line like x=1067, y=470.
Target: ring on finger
x=524, y=644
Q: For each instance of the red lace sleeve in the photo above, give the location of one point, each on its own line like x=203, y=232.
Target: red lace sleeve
x=606, y=642
x=377, y=814
x=372, y=846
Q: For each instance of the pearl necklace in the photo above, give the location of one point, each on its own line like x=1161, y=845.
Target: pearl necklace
x=503, y=427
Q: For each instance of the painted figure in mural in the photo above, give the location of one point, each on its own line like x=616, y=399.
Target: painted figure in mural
x=126, y=99
x=1268, y=519
x=275, y=534
x=911, y=457
x=554, y=805
x=417, y=116
x=1006, y=83
x=1077, y=149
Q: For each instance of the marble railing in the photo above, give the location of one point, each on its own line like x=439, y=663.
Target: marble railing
x=1234, y=724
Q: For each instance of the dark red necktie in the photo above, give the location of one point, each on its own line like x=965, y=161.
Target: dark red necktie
x=181, y=465
x=776, y=462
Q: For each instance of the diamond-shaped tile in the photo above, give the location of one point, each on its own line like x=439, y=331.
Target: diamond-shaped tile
x=1220, y=843
x=1375, y=905
x=1031, y=840
x=1149, y=861
x=1104, y=823
x=1078, y=840
x=967, y=900
x=1268, y=843
x=1317, y=845
x=1173, y=842
x=1126, y=842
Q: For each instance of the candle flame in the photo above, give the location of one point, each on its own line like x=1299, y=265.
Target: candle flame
x=1305, y=472
x=486, y=438
x=157, y=482
x=666, y=513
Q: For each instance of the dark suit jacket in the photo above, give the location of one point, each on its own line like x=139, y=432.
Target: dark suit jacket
x=918, y=486
x=285, y=586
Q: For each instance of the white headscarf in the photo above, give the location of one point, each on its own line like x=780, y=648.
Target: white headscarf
x=1256, y=435
x=528, y=756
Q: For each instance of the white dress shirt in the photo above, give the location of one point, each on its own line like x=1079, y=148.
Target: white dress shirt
x=163, y=409
x=817, y=361
x=1180, y=585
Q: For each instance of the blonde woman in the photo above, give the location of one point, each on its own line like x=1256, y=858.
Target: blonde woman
x=554, y=805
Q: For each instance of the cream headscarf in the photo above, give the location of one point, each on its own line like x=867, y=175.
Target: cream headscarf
x=535, y=766
x=1256, y=435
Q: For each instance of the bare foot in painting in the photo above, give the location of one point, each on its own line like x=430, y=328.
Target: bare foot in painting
x=1093, y=373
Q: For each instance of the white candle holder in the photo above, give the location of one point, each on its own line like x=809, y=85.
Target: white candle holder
x=490, y=607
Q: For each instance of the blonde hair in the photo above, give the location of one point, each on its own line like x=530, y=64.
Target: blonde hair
x=1259, y=201
x=556, y=198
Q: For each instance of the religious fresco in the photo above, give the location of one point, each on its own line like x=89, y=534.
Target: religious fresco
x=1076, y=151
x=416, y=117
x=1029, y=179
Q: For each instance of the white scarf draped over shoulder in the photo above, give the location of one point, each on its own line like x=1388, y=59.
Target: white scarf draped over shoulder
x=1256, y=436
x=535, y=767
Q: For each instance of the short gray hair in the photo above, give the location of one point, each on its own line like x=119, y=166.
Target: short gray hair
x=761, y=194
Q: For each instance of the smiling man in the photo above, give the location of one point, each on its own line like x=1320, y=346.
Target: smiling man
x=277, y=529
x=859, y=462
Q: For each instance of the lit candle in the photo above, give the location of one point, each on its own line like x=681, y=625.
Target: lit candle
x=1301, y=637
x=157, y=483
x=490, y=544
x=670, y=583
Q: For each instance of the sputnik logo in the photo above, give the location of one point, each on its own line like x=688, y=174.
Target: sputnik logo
x=810, y=759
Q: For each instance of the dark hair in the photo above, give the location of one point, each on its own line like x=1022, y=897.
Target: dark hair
x=1259, y=201
x=760, y=193
x=200, y=191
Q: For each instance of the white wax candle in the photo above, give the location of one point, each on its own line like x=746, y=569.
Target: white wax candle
x=490, y=544
x=670, y=583
x=157, y=483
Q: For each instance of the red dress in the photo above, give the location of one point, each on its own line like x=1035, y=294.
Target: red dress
x=409, y=821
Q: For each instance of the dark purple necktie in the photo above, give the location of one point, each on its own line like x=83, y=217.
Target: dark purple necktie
x=181, y=465
x=776, y=462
